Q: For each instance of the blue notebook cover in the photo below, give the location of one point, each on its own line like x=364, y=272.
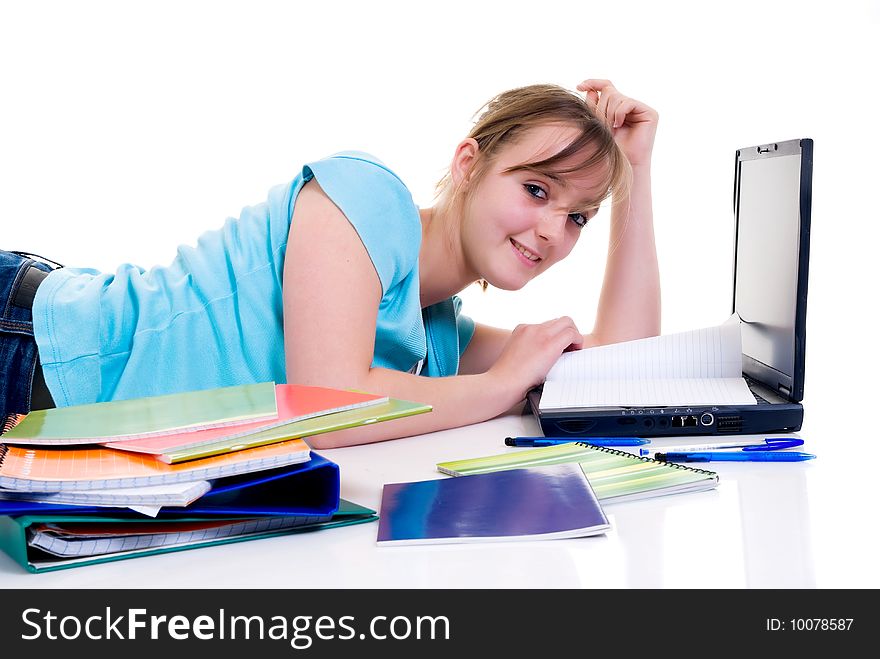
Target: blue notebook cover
x=307, y=488
x=515, y=504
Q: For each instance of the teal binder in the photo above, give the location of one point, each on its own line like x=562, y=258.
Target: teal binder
x=14, y=535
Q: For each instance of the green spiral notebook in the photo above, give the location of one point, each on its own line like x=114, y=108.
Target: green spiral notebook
x=614, y=475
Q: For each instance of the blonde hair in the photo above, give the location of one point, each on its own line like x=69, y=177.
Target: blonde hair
x=510, y=114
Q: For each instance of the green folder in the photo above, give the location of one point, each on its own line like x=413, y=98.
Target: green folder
x=144, y=417
x=14, y=535
x=393, y=409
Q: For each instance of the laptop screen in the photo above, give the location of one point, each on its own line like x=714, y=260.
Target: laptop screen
x=772, y=206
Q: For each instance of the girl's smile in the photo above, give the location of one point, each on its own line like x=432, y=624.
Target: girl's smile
x=527, y=256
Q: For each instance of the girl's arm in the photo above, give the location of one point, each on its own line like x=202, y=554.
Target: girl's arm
x=629, y=304
x=331, y=294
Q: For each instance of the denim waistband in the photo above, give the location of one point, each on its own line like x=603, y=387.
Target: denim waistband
x=22, y=387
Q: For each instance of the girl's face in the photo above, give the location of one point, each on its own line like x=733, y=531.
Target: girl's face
x=520, y=223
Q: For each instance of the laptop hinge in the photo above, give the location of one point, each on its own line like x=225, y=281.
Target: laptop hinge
x=785, y=391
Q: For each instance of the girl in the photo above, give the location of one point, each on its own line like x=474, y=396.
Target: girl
x=340, y=280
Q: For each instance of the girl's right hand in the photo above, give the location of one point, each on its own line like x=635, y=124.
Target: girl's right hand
x=531, y=352
x=632, y=123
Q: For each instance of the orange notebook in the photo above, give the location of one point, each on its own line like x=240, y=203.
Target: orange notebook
x=294, y=402
x=57, y=470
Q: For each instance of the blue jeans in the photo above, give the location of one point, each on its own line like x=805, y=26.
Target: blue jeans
x=18, y=350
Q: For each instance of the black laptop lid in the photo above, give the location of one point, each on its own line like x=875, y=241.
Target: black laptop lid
x=772, y=199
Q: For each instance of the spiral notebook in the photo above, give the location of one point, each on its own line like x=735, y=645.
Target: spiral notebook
x=615, y=475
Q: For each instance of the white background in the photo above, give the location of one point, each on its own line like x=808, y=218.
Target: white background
x=129, y=128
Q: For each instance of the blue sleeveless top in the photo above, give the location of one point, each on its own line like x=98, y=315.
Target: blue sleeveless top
x=214, y=316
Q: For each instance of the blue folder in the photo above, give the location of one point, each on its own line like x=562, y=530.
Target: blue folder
x=307, y=488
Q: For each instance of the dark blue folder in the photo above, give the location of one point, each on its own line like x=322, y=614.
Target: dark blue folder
x=307, y=488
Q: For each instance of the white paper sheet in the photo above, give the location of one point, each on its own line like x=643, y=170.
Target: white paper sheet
x=700, y=367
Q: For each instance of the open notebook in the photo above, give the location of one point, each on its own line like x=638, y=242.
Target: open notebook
x=690, y=368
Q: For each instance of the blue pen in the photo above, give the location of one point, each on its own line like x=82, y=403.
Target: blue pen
x=593, y=441
x=736, y=456
x=770, y=444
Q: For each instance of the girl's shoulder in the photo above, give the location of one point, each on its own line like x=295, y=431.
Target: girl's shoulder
x=362, y=179
x=378, y=205
x=353, y=160
x=367, y=158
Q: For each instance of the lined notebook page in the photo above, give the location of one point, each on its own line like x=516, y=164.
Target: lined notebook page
x=172, y=494
x=58, y=470
x=56, y=542
x=700, y=367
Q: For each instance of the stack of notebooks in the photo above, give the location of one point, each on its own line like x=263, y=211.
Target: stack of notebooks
x=108, y=481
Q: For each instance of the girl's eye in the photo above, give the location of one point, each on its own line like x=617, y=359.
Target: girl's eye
x=535, y=190
x=579, y=219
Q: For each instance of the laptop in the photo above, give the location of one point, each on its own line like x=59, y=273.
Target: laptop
x=771, y=201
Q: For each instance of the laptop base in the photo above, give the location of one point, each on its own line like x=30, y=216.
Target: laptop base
x=668, y=421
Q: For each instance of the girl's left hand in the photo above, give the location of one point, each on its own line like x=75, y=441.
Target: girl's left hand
x=632, y=123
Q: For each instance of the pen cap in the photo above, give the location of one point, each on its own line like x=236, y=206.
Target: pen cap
x=775, y=444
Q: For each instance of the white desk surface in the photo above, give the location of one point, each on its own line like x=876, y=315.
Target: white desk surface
x=791, y=525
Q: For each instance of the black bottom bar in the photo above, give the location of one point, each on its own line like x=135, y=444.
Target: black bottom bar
x=431, y=622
